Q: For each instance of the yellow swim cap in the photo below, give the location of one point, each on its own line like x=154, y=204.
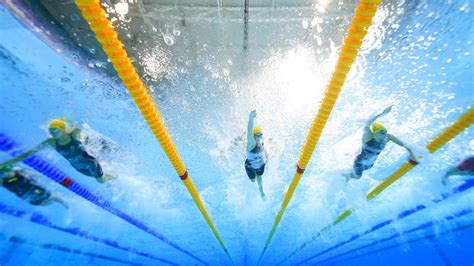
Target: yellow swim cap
x=58, y=124
x=376, y=127
x=257, y=130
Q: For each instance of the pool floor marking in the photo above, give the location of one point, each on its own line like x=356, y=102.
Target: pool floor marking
x=40, y=219
x=18, y=240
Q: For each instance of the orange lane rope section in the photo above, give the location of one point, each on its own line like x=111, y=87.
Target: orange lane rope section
x=356, y=34
x=113, y=47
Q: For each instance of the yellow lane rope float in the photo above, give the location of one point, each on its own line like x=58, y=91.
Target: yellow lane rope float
x=356, y=33
x=465, y=121
x=113, y=47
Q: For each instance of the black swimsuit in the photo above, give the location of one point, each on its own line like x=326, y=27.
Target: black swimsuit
x=78, y=157
x=25, y=189
x=367, y=157
x=255, y=164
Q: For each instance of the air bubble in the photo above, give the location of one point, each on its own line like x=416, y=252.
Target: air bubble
x=465, y=7
x=225, y=71
x=305, y=23
x=74, y=17
x=168, y=40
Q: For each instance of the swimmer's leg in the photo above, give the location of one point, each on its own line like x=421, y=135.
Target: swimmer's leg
x=357, y=169
x=94, y=169
x=351, y=175
x=251, y=173
x=260, y=185
x=55, y=197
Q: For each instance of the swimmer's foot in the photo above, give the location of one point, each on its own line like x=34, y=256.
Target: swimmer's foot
x=62, y=202
x=56, y=197
x=445, y=180
x=262, y=193
x=349, y=176
x=106, y=178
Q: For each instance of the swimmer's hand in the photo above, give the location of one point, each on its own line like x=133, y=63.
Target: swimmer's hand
x=386, y=110
x=253, y=114
x=414, y=157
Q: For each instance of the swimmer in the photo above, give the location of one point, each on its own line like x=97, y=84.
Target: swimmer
x=256, y=153
x=68, y=144
x=465, y=168
x=16, y=181
x=373, y=142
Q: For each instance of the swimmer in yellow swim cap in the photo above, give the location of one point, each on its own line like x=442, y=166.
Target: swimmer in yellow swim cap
x=373, y=142
x=19, y=182
x=256, y=153
x=67, y=142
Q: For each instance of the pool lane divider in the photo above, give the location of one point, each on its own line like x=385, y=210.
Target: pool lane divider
x=8, y=145
x=108, y=38
x=466, y=120
x=430, y=236
x=468, y=184
x=358, y=30
x=426, y=225
x=40, y=219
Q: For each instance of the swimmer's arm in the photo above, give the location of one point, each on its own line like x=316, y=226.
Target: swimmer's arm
x=401, y=144
x=266, y=155
x=27, y=154
x=76, y=133
x=455, y=171
x=367, y=134
x=250, y=138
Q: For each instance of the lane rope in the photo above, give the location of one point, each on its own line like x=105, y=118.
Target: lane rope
x=355, y=36
x=468, y=184
x=430, y=236
x=108, y=38
x=426, y=225
x=461, y=124
x=8, y=145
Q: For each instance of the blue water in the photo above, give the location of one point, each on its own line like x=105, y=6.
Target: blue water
x=418, y=57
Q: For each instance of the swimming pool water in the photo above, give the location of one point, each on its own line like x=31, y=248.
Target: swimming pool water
x=417, y=57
